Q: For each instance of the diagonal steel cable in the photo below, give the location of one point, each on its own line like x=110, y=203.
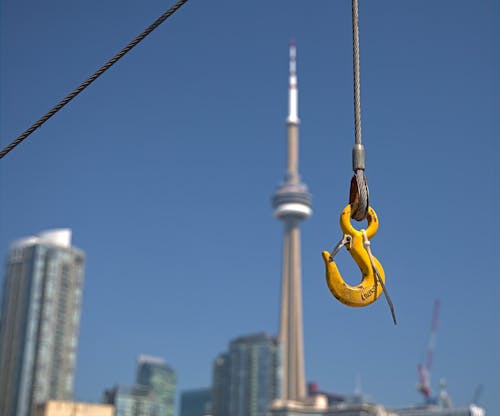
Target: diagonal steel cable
x=93, y=77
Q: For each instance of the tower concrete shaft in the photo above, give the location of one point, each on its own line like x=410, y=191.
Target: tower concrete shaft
x=292, y=203
x=291, y=338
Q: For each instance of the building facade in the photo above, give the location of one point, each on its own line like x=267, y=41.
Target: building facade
x=220, y=385
x=152, y=395
x=437, y=410
x=39, y=322
x=132, y=401
x=62, y=408
x=246, y=378
x=312, y=406
x=196, y=402
x=160, y=378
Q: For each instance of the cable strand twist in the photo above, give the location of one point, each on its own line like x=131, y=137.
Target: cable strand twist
x=358, y=195
x=356, y=71
x=93, y=77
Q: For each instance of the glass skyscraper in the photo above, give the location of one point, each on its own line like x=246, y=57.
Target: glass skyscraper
x=132, y=401
x=196, y=402
x=220, y=386
x=160, y=378
x=246, y=379
x=39, y=321
x=152, y=395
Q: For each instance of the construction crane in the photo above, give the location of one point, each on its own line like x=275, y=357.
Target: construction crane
x=424, y=370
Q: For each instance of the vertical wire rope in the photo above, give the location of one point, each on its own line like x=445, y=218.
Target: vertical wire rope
x=355, y=61
x=358, y=195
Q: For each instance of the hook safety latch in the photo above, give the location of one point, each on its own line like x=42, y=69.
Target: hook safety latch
x=369, y=289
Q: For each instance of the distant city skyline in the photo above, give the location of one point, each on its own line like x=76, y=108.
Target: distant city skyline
x=40, y=320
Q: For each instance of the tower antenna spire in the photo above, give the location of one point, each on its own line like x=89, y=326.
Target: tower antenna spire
x=293, y=99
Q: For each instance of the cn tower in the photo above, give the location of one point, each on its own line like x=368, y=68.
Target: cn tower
x=292, y=204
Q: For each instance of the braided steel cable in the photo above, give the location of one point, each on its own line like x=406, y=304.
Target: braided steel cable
x=355, y=63
x=93, y=77
x=358, y=193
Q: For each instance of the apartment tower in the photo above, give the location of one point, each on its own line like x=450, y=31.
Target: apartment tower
x=39, y=321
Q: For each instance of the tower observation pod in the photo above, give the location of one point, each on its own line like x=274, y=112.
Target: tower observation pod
x=292, y=203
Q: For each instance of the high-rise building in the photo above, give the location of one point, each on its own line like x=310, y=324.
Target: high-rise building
x=153, y=395
x=251, y=382
x=132, y=401
x=253, y=374
x=197, y=402
x=292, y=203
x=160, y=378
x=220, y=385
x=39, y=322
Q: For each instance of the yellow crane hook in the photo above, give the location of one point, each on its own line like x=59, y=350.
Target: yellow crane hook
x=356, y=242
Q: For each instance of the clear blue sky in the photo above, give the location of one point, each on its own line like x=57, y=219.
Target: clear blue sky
x=165, y=166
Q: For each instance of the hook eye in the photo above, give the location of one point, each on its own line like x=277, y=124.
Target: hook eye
x=347, y=227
